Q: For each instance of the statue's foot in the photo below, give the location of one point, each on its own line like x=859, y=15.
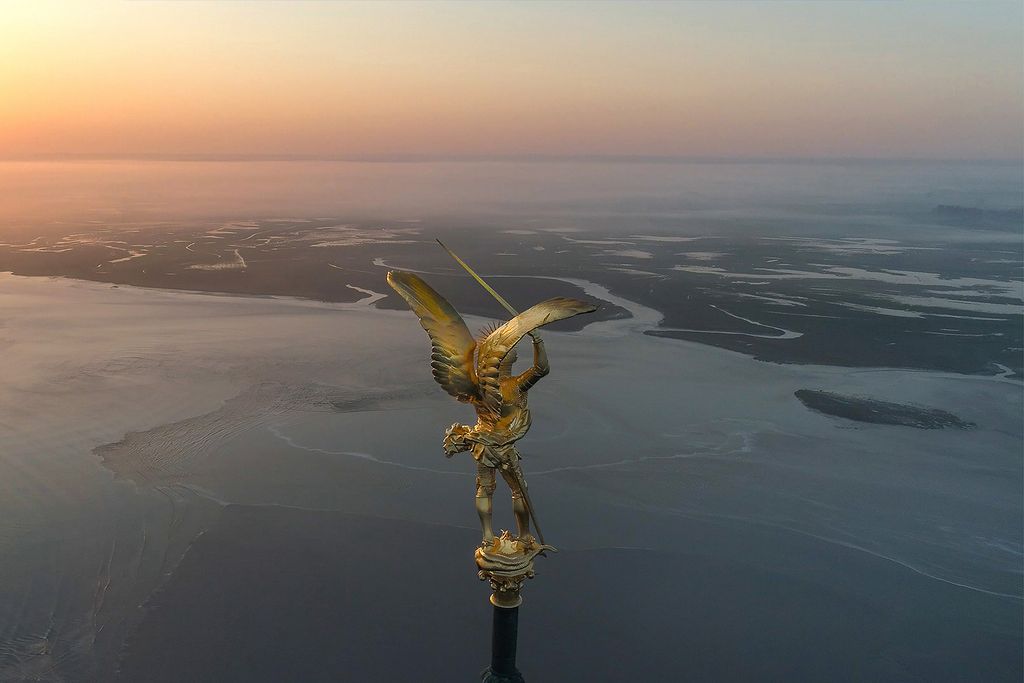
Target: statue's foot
x=527, y=539
x=487, y=542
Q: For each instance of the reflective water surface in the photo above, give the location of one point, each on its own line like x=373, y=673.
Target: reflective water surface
x=210, y=486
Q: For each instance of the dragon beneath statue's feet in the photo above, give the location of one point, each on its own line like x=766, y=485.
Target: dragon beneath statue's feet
x=507, y=562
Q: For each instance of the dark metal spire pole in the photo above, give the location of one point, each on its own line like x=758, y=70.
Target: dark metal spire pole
x=503, y=647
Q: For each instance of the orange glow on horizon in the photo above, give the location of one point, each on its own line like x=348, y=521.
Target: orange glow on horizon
x=325, y=78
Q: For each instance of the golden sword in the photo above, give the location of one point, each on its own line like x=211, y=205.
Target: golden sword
x=490, y=290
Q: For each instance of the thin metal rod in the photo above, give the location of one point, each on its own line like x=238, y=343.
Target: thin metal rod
x=501, y=300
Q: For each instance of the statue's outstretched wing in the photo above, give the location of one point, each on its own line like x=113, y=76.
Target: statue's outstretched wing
x=498, y=343
x=452, y=346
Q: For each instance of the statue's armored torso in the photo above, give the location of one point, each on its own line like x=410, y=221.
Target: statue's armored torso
x=512, y=419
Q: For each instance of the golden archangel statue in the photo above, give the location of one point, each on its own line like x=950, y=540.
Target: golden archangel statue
x=479, y=372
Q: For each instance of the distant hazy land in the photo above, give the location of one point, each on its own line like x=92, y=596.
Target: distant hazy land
x=847, y=264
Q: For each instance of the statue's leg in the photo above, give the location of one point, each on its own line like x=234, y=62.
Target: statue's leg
x=513, y=475
x=485, y=485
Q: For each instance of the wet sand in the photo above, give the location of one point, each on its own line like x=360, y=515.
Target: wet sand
x=862, y=409
x=951, y=300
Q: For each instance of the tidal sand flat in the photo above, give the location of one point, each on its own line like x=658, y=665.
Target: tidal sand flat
x=910, y=265
x=250, y=476
x=863, y=409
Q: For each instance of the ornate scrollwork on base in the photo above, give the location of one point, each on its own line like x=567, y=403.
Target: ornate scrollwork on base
x=506, y=564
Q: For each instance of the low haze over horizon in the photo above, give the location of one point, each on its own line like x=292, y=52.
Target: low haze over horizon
x=914, y=80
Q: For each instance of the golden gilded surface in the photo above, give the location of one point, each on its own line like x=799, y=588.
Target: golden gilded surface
x=480, y=373
x=506, y=564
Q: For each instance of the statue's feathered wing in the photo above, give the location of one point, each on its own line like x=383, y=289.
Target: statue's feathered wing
x=452, y=346
x=496, y=346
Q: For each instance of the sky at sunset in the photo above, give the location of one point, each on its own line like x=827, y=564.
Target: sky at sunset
x=852, y=79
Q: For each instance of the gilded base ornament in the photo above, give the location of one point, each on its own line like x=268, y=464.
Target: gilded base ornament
x=506, y=564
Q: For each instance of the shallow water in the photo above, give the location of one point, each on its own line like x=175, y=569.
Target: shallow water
x=258, y=480
x=639, y=442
